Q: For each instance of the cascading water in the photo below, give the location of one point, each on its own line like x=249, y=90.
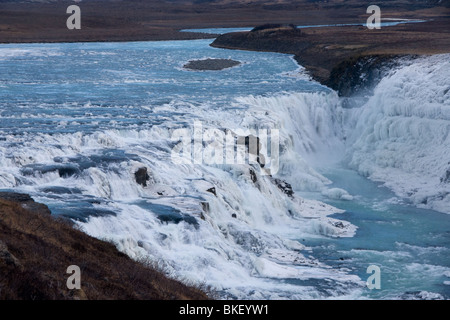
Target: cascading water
x=401, y=134
x=75, y=136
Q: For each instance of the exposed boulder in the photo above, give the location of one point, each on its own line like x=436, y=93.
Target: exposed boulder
x=142, y=176
x=359, y=74
x=253, y=175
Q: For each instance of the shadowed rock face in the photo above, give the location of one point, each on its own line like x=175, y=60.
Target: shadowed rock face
x=358, y=75
x=346, y=58
x=142, y=176
x=211, y=64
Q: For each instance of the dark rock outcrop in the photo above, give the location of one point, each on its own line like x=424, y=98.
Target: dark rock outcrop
x=212, y=190
x=211, y=64
x=358, y=75
x=25, y=202
x=284, y=186
x=345, y=58
x=253, y=175
x=142, y=176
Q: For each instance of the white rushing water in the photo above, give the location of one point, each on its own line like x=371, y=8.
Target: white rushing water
x=401, y=134
x=75, y=143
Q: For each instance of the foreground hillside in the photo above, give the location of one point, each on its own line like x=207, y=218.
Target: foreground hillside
x=36, y=249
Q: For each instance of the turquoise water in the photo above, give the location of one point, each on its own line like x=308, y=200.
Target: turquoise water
x=410, y=245
x=94, y=82
x=77, y=119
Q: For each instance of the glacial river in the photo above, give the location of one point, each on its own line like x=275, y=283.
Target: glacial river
x=78, y=120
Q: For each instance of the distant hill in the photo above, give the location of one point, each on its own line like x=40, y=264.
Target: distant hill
x=128, y=20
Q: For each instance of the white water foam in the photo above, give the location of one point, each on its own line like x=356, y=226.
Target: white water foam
x=401, y=135
x=242, y=239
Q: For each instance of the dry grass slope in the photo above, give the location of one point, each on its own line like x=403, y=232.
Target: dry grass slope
x=36, y=249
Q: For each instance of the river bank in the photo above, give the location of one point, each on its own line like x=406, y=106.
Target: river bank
x=345, y=58
x=36, y=249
